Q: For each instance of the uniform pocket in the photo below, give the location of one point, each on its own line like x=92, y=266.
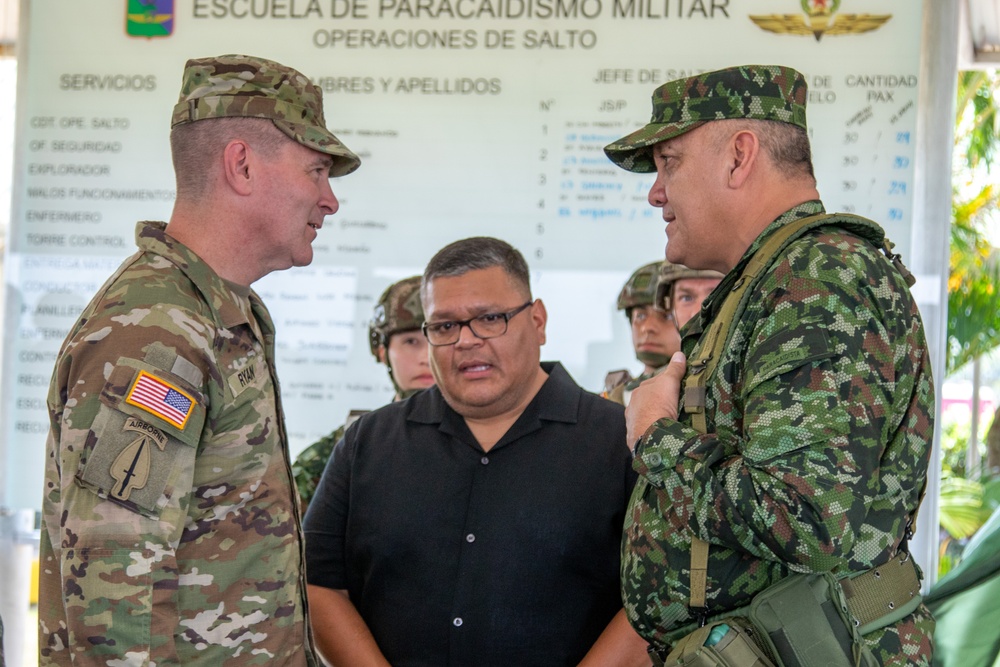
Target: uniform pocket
x=785, y=352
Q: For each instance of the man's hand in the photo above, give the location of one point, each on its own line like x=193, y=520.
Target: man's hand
x=655, y=399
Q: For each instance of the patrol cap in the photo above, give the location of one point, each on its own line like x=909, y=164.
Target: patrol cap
x=237, y=86
x=398, y=309
x=640, y=288
x=759, y=92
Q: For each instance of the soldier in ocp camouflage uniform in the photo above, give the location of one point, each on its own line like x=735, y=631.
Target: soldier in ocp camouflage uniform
x=395, y=340
x=170, y=531
x=820, y=411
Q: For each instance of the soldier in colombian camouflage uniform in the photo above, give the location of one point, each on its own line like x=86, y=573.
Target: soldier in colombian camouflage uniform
x=654, y=336
x=396, y=340
x=171, y=532
x=820, y=411
x=658, y=299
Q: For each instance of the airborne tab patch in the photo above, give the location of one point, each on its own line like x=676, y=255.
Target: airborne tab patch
x=160, y=398
x=139, y=426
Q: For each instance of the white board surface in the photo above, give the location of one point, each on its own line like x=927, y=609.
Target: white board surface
x=471, y=116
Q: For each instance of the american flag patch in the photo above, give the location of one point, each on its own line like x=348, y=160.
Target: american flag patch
x=161, y=399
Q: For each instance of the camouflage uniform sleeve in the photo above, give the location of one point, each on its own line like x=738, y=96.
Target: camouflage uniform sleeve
x=793, y=486
x=119, y=485
x=309, y=465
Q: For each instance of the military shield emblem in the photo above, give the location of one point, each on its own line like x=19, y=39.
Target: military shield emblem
x=149, y=18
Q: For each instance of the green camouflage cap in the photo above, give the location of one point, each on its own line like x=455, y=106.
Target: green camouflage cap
x=398, y=309
x=235, y=86
x=640, y=288
x=671, y=273
x=759, y=92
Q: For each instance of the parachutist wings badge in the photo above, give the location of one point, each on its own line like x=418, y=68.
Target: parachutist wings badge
x=819, y=19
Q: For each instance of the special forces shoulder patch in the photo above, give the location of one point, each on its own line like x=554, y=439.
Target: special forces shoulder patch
x=161, y=398
x=132, y=462
x=130, y=469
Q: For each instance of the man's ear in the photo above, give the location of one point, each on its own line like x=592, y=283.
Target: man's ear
x=538, y=319
x=236, y=159
x=744, y=152
x=381, y=354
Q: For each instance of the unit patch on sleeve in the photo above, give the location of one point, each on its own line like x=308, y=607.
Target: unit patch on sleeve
x=160, y=398
x=130, y=469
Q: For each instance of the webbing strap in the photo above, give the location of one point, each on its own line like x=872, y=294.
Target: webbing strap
x=699, y=571
x=883, y=594
x=875, y=599
x=702, y=368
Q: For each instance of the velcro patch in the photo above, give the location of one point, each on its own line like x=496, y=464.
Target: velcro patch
x=249, y=376
x=161, y=398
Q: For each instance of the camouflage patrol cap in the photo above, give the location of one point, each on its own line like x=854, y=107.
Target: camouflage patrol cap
x=671, y=273
x=759, y=92
x=398, y=309
x=236, y=86
x=640, y=288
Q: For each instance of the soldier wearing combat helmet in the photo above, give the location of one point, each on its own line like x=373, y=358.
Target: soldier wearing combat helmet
x=800, y=440
x=395, y=340
x=680, y=291
x=658, y=299
x=654, y=336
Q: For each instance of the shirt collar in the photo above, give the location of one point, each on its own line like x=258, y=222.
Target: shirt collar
x=557, y=400
x=712, y=304
x=152, y=237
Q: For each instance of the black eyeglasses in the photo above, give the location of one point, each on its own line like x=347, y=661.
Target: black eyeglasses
x=487, y=325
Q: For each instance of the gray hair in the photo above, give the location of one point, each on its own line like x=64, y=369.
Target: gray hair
x=471, y=254
x=787, y=145
x=197, y=147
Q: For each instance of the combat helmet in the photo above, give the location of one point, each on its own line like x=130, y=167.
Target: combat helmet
x=671, y=273
x=398, y=309
x=640, y=288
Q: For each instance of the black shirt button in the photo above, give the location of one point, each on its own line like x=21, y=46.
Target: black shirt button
x=457, y=622
x=485, y=460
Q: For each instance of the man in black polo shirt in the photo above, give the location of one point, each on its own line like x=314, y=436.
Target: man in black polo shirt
x=477, y=523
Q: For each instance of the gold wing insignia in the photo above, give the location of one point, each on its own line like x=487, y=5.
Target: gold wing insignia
x=149, y=18
x=788, y=24
x=847, y=24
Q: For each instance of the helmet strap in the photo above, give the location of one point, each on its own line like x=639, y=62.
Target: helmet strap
x=395, y=385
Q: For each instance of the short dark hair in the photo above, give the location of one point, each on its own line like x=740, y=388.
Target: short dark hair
x=471, y=254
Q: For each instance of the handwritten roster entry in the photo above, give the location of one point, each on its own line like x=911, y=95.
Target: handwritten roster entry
x=472, y=117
